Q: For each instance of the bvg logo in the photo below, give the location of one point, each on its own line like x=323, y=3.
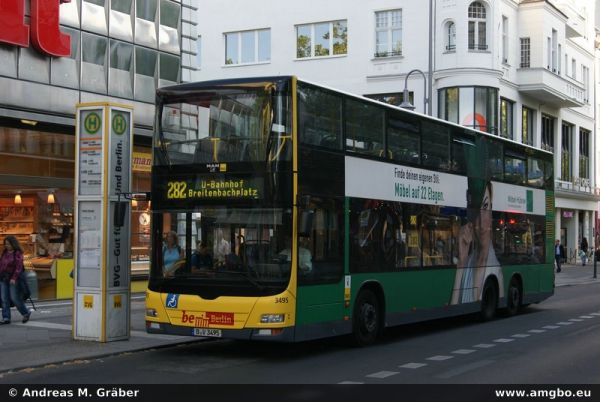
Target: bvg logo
x=45, y=29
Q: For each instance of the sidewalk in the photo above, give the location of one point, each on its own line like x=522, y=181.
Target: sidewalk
x=46, y=339
x=577, y=274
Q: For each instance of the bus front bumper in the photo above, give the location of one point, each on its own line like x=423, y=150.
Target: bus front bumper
x=255, y=334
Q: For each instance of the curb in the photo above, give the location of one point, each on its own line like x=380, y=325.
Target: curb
x=100, y=356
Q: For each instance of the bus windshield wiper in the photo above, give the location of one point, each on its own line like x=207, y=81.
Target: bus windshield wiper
x=247, y=276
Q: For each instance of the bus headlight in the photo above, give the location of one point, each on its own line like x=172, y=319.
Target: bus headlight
x=150, y=312
x=272, y=318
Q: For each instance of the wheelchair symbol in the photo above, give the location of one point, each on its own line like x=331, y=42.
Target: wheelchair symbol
x=172, y=300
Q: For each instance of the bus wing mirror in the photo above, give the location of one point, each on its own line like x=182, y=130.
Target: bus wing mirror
x=119, y=213
x=306, y=224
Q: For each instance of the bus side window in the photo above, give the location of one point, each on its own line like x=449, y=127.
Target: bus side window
x=320, y=250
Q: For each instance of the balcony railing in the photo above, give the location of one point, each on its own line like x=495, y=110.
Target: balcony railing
x=473, y=46
x=388, y=54
x=577, y=185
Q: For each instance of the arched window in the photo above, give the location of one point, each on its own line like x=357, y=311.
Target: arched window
x=450, y=37
x=477, y=26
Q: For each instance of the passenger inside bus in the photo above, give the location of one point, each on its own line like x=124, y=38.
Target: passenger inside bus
x=173, y=256
x=201, y=259
x=221, y=248
x=304, y=256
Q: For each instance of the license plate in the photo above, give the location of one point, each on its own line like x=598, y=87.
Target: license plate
x=214, y=333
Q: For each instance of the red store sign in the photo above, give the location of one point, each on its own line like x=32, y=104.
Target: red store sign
x=45, y=29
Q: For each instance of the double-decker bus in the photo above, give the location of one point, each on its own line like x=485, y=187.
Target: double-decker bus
x=287, y=211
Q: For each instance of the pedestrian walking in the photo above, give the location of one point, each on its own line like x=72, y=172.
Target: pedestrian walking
x=11, y=267
x=559, y=254
x=584, y=250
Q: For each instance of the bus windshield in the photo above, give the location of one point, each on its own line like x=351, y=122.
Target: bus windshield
x=216, y=125
x=224, y=251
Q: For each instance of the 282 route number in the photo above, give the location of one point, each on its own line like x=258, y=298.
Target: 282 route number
x=176, y=190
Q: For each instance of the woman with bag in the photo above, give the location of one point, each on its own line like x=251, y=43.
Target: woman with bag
x=11, y=266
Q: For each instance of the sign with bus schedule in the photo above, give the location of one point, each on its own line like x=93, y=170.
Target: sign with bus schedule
x=101, y=308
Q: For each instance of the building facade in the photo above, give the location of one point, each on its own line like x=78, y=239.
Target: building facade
x=118, y=51
x=521, y=69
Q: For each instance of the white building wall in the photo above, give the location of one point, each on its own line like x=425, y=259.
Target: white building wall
x=360, y=72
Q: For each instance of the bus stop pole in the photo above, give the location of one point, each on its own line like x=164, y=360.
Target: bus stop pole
x=595, y=262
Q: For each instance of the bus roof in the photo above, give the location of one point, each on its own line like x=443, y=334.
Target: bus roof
x=191, y=86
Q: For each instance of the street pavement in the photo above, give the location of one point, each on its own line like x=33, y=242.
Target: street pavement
x=46, y=339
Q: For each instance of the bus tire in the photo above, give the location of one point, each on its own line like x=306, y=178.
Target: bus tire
x=489, y=301
x=366, y=320
x=514, y=298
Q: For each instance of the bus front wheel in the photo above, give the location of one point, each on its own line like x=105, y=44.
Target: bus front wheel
x=366, y=321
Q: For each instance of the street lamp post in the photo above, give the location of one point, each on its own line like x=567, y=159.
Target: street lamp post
x=427, y=92
x=406, y=102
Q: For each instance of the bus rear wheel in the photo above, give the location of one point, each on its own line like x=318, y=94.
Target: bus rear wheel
x=489, y=301
x=515, y=298
x=366, y=321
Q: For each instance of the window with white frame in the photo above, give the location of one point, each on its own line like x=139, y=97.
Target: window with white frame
x=525, y=53
x=388, y=33
x=477, y=26
x=549, y=53
x=247, y=47
x=504, y=39
x=585, y=77
x=554, y=60
x=573, y=69
x=584, y=153
x=322, y=39
x=506, y=118
x=527, y=120
x=199, y=52
x=450, y=36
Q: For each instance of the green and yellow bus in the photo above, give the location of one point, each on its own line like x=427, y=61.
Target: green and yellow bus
x=283, y=210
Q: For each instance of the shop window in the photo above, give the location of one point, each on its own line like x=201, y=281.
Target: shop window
x=169, y=26
x=364, y=128
x=145, y=22
x=145, y=74
x=169, y=69
x=140, y=213
x=320, y=115
x=121, y=24
x=93, y=16
x=120, y=79
x=93, y=66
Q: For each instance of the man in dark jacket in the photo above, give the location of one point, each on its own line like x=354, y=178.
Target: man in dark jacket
x=559, y=254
